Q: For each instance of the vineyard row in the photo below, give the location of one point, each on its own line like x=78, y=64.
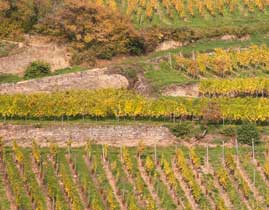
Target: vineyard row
x=102, y=177
x=225, y=62
x=189, y=8
x=123, y=103
x=235, y=87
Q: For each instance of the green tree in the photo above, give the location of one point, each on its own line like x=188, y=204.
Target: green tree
x=37, y=69
x=246, y=133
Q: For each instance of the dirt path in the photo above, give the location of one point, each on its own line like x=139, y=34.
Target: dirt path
x=256, y=193
x=262, y=173
x=131, y=180
x=82, y=195
x=9, y=194
x=184, y=187
x=171, y=191
x=149, y=185
x=38, y=175
x=240, y=193
x=96, y=182
x=190, y=90
x=112, y=183
x=223, y=193
x=25, y=184
x=203, y=188
x=60, y=183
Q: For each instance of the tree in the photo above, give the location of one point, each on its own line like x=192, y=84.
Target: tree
x=248, y=132
x=91, y=28
x=37, y=69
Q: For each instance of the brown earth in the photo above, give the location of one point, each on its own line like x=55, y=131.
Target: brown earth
x=189, y=90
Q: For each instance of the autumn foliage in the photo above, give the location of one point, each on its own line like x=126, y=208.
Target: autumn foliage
x=93, y=29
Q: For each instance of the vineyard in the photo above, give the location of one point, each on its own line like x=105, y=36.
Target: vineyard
x=235, y=87
x=122, y=104
x=188, y=131
x=103, y=177
x=223, y=63
x=172, y=11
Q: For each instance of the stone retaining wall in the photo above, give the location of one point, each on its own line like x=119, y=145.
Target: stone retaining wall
x=117, y=135
x=90, y=79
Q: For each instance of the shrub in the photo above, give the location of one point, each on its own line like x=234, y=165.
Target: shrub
x=181, y=130
x=247, y=132
x=91, y=28
x=37, y=69
x=228, y=131
x=85, y=59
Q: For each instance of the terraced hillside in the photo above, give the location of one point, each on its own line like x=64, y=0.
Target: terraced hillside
x=102, y=177
x=174, y=116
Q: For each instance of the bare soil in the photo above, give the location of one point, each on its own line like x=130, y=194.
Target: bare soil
x=190, y=90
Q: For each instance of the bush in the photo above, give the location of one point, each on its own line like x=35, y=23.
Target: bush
x=85, y=59
x=136, y=46
x=37, y=69
x=229, y=131
x=99, y=31
x=181, y=130
x=247, y=132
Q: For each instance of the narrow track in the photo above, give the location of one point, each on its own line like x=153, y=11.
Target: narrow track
x=184, y=187
x=140, y=200
x=37, y=173
x=203, y=188
x=256, y=193
x=224, y=194
x=9, y=194
x=234, y=183
x=112, y=183
x=82, y=195
x=96, y=182
x=61, y=185
x=26, y=187
x=172, y=193
x=262, y=173
x=149, y=185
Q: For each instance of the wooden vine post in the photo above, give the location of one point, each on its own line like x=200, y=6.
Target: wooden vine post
x=253, y=159
x=253, y=150
x=223, y=153
x=207, y=158
x=121, y=154
x=155, y=154
x=237, y=151
x=103, y=152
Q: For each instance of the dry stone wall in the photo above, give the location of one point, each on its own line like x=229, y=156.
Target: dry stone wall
x=90, y=79
x=115, y=135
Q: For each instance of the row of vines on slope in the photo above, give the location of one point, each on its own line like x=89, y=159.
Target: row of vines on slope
x=235, y=87
x=122, y=103
x=126, y=164
x=190, y=8
x=225, y=62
